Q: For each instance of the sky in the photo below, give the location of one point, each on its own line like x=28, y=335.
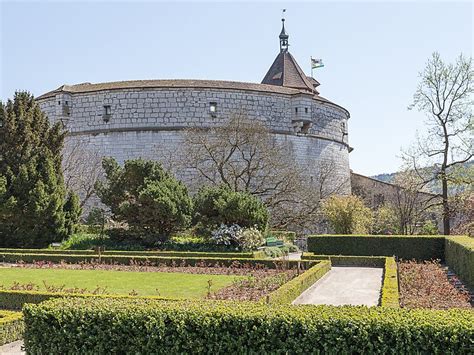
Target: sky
x=373, y=52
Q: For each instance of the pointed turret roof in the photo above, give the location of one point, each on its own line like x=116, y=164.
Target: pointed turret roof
x=285, y=71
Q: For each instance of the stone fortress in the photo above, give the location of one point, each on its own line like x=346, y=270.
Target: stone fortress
x=132, y=119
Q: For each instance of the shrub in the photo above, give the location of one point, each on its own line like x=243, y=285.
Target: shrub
x=390, y=296
x=216, y=206
x=349, y=260
x=146, y=197
x=347, y=214
x=405, y=247
x=136, y=326
x=293, y=288
x=11, y=327
x=250, y=239
x=234, y=235
x=460, y=257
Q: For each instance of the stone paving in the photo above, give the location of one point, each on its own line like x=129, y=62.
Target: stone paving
x=12, y=348
x=345, y=286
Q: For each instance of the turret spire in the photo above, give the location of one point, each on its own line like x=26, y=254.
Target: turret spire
x=283, y=35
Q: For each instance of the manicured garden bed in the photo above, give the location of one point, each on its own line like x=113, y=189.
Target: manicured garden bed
x=426, y=285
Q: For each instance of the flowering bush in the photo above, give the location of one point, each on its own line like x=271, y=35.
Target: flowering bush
x=226, y=235
x=250, y=239
x=235, y=235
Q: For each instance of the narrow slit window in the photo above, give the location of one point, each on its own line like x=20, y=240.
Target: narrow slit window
x=296, y=110
x=213, y=108
x=107, y=110
x=305, y=110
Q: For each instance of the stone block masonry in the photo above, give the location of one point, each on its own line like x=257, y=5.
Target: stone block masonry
x=149, y=123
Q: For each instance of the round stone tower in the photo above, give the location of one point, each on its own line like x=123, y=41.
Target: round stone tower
x=132, y=119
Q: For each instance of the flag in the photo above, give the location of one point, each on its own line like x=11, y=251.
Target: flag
x=316, y=63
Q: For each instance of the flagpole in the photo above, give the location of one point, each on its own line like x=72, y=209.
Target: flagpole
x=311, y=63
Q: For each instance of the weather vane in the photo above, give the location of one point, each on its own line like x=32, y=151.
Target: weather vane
x=283, y=13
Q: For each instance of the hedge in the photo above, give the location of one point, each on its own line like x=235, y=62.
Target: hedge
x=152, y=260
x=256, y=254
x=460, y=257
x=11, y=327
x=390, y=296
x=348, y=260
x=288, y=292
x=404, y=247
x=99, y=326
x=15, y=299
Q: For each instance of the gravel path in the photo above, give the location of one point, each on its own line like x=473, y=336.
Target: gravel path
x=12, y=348
x=345, y=286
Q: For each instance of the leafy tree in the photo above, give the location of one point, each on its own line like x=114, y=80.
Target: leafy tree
x=445, y=94
x=147, y=198
x=33, y=195
x=347, y=214
x=215, y=206
x=385, y=221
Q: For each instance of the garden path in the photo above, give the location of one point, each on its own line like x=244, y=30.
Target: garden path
x=12, y=348
x=345, y=286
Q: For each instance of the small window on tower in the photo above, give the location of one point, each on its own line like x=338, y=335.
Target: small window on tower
x=305, y=110
x=107, y=113
x=296, y=110
x=59, y=102
x=213, y=108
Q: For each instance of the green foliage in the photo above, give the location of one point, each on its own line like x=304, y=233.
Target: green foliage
x=147, y=198
x=131, y=257
x=348, y=260
x=15, y=299
x=138, y=326
x=216, y=206
x=386, y=221
x=390, y=296
x=32, y=192
x=460, y=257
x=73, y=211
x=295, y=287
x=11, y=327
x=405, y=247
x=347, y=214
x=429, y=228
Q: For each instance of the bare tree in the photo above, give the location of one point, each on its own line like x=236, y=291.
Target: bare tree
x=82, y=168
x=243, y=155
x=410, y=204
x=445, y=94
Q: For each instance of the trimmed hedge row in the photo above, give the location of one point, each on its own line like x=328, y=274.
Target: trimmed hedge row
x=99, y=326
x=256, y=254
x=348, y=260
x=152, y=260
x=14, y=299
x=460, y=257
x=288, y=292
x=390, y=296
x=405, y=247
x=11, y=327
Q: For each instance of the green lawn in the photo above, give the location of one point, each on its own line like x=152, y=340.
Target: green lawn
x=175, y=285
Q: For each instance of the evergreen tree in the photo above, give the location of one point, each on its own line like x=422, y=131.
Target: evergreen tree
x=150, y=200
x=32, y=194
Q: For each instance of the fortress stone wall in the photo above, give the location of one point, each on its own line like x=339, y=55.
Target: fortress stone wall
x=149, y=122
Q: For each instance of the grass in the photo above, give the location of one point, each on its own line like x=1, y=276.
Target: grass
x=165, y=284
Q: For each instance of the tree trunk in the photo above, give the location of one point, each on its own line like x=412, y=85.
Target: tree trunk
x=446, y=225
